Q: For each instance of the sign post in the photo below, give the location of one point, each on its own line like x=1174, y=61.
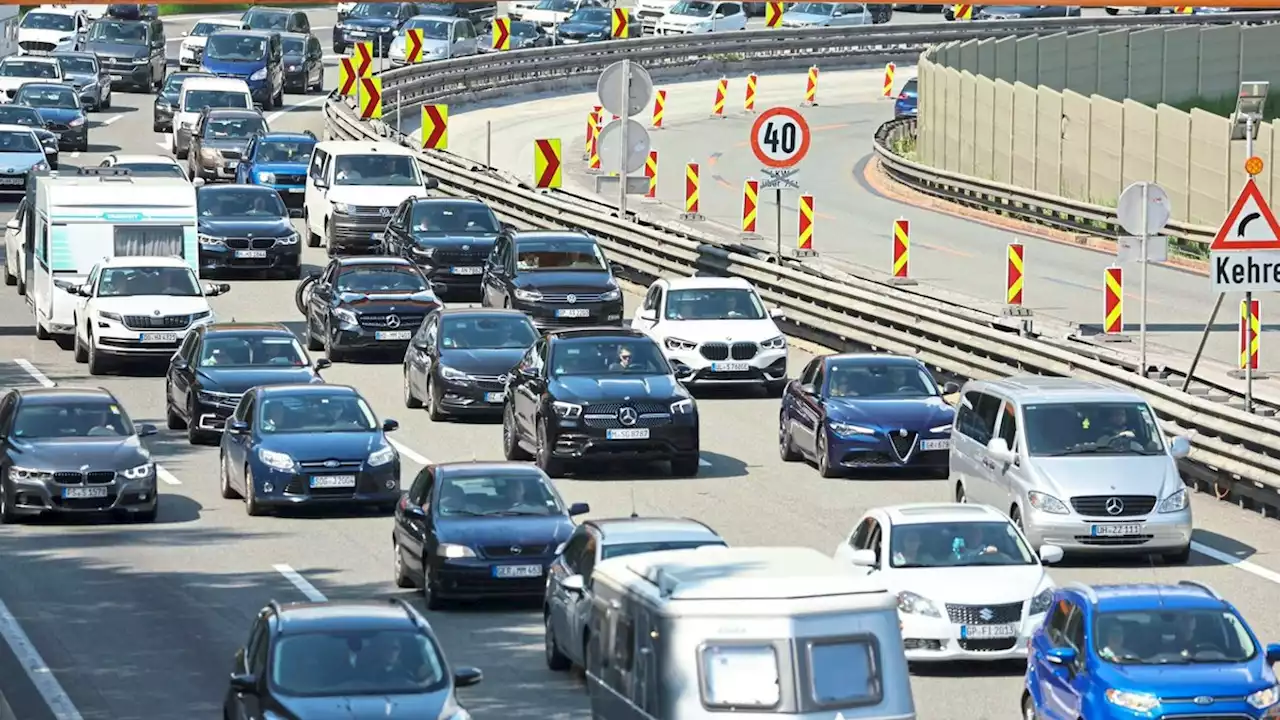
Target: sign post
x=780, y=139
x=1143, y=210
x=625, y=89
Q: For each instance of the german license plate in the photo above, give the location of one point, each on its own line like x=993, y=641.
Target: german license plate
x=495, y=397
x=358, y=33
x=1118, y=530
x=251, y=253
x=517, y=571
x=161, y=337
x=376, y=236
x=729, y=367
x=573, y=313
x=988, y=632
x=569, y=41
x=627, y=434
x=393, y=334
x=466, y=270
x=333, y=481
x=935, y=444
x=10, y=181
x=84, y=492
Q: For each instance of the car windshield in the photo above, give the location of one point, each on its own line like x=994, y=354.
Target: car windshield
x=958, y=544
x=358, y=662
x=487, y=333
x=118, y=32
x=878, y=380
x=198, y=99
x=714, y=304
x=233, y=128
x=624, y=549
x=608, y=357
x=78, y=419
x=528, y=29
x=453, y=218
x=315, y=413
x=375, y=10
x=127, y=282
x=1164, y=636
x=48, y=21
x=559, y=255
x=29, y=69
x=206, y=28
x=498, y=494
x=1091, y=428
x=910, y=87
x=173, y=82
x=693, y=8
x=812, y=8
x=592, y=16
x=375, y=279
x=161, y=169
x=293, y=46
x=285, y=151
x=19, y=142
x=235, y=48
x=433, y=29
x=558, y=5
x=239, y=202
x=379, y=169
x=19, y=115
x=76, y=65
x=48, y=96
x=251, y=350
x=266, y=20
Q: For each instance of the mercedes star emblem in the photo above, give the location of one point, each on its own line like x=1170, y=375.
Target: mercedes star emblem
x=627, y=416
x=385, y=212
x=331, y=463
x=571, y=299
x=156, y=313
x=902, y=432
x=393, y=321
x=1114, y=506
x=1203, y=700
x=516, y=549
x=987, y=614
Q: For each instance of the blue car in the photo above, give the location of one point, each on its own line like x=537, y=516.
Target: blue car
x=279, y=160
x=307, y=444
x=908, y=98
x=866, y=411
x=254, y=56
x=1121, y=652
x=60, y=109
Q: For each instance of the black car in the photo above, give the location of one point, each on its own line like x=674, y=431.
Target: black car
x=588, y=24
x=560, y=279
x=366, y=303
x=281, y=20
x=246, y=228
x=73, y=450
x=297, y=663
x=132, y=51
x=167, y=100
x=449, y=238
x=11, y=114
x=479, y=530
x=375, y=22
x=133, y=11
x=217, y=363
x=459, y=361
x=60, y=109
x=1025, y=12
x=303, y=62
x=606, y=393
x=218, y=141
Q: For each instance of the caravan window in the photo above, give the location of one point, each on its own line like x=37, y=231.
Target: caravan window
x=155, y=241
x=740, y=676
x=844, y=672
x=129, y=281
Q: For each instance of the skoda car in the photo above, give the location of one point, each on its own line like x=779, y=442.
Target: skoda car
x=60, y=108
x=91, y=80
x=73, y=450
x=29, y=118
x=163, y=110
x=866, y=411
x=599, y=393
x=375, y=22
x=449, y=238
x=559, y=278
x=293, y=445
x=246, y=229
x=366, y=304
x=255, y=56
x=459, y=361
x=279, y=160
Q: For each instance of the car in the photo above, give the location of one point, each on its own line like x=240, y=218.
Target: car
x=279, y=160
x=449, y=238
x=303, y=62
x=479, y=530
x=442, y=38
x=566, y=606
x=1026, y=12
x=153, y=165
x=162, y=110
x=589, y=24
x=400, y=669
x=191, y=51
x=18, y=70
x=1114, y=652
x=281, y=20
x=29, y=117
x=523, y=35
x=880, y=13
x=969, y=585
x=517, y=8
x=690, y=17
x=200, y=92
x=375, y=22
x=1079, y=464
x=135, y=308
x=459, y=360
x=550, y=13
x=949, y=11
x=133, y=51
x=716, y=331
x=218, y=141
x=369, y=303
x=72, y=451
x=15, y=247
x=820, y=14
x=559, y=278
x=60, y=109
x=599, y=393
x=308, y=444
x=217, y=363
x=21, y=156
x=907, y=103
x=48, y=28
x=133, y=11
x=91, y=80
x=254, y=56
x=246, y=229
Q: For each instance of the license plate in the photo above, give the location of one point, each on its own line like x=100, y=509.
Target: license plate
x=376, y=236
x=333, y=481
x=357, y=33
x=157, y=337
x=466, y=270
x=573, y=313
x=251, y=253
x=935, y=444
x=517, y=571
x=495, y=397
x=10, y=181
x=1124, y=530
x=393, y=334
x=987, y=632
x=627, y=434
x=729, y=367
x=296, y=190
x=569, y=41
x=84, y=492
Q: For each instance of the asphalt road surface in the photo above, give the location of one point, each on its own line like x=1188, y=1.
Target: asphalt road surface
x=132, y=622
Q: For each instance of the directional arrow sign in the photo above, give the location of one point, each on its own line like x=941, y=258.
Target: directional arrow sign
x=1245, y=254
x=413, y=49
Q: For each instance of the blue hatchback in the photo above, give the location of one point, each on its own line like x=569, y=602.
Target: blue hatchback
x=279, y=160
x=908, y=98
x=1121, y=652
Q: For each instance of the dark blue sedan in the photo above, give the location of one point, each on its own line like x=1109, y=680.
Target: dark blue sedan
x=295, y=445
x=869, y=412
x=908, y=98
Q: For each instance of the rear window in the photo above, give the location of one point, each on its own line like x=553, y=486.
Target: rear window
x=910, y=87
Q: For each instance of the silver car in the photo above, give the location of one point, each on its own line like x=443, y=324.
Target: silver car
x=1076, y=464
x=816, y=14
x=442, y=38
x=91, y=80
x=21, y=154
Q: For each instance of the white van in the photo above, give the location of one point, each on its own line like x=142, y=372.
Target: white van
x=198, y=93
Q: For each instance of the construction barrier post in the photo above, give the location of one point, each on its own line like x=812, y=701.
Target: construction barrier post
x=364, y=59
x=593, y=163
x=413, y=45
x=804, y=233
x=659, y=108
x=1113, y=301
x=501, y=39
x=691, y=183
x=348, y=78
x=1013, y=275
x=962, y=12
x=889, y=70
x=811, y=88
x=547, y=164
x=620, y=27
x=651, y=172
x=901, y=274
x=1250, y=334
x=749, y=102
x=773, y=14
x=435, y=127
x=722, y=90
x=750, y=204
x=593, y=129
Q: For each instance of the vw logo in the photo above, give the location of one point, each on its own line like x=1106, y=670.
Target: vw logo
x=516, y=549
x=571, y=299
x=627, y=416
x=1203, y=700
x=902, y=432
x=384, y=212
x=331, y=463
x=393, y=321
x=1114, y=506
x=987, y=614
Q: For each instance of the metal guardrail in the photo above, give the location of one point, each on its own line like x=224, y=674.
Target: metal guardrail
x=1227, y=443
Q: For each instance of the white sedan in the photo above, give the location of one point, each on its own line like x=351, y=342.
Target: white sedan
x=969, y=586
x=702, y=16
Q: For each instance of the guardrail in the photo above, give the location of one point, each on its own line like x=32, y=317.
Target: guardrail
x=1230, y=443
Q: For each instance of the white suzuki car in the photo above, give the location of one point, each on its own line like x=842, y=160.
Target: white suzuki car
x=969, y=586
x=715, y=331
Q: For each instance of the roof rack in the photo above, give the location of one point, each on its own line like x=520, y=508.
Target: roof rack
x=1083, y=589
x=1201, y=586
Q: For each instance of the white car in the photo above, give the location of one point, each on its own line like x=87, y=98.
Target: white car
x=649, y=12
x=191, y=52
x=161, y=165
x=138, y=308
x=17, y=70
x=715, y=331
x=702, y=16
x=46, y=29
x=15, y=248
x=549, y=13
x=969, y=585
x=516, y=9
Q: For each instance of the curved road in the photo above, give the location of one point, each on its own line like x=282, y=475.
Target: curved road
x=128, y=622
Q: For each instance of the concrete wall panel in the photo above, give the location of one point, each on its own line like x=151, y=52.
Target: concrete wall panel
x=1173, y=148
x=1006, y=60
x=1139, y=144
x=1219, y=62
x=1027, y=66
x=984, y=104
x=1076, y=111
x=1113, y=65
x=1053, y=61
x=1002, y=133
x=951, y=153
x=1082, y=63
x=1181, y=66
x=967, y=89
x=986, y=59
x=1146, y=66
x=1210, y=157
x=1048, y=141
x=1260, y=53
x=1106, y=148
x=1024, y=135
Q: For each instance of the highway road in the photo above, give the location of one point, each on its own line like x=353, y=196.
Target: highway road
x=133, y=622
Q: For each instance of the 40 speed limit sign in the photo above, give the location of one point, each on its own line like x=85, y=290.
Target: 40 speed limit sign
x=780, y=137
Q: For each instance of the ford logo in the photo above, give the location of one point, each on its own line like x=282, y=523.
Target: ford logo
x=1203, y=700
x=331, y=463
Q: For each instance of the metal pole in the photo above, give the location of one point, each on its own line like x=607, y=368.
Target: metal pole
x=625, y=149
x=488, y=143
x=397, y=111
x=777, y=204
x=1248, y=297
x=1204, y=337
x=1142, y=299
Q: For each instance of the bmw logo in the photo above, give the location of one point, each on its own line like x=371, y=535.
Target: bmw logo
x=466, y=247
x=156, y=313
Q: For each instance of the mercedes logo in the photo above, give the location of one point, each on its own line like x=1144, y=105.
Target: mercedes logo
x=902, y=432
x=1114, y=506
x=516, y=549
x=505, y=378
x=987, y=614
x=156, y=313
x=1203, y=700
x=393, y=321
x=571, y=299
x=627, y=416
x=385, y=212
x=331, y=463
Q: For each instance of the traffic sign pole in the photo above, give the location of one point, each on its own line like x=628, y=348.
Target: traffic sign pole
x=780, y=139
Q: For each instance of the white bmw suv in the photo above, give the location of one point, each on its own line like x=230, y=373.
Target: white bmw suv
x=715, y=331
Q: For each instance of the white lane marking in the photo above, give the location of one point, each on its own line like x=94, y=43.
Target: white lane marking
x=167, y=477
x=304, y=587
x=39, y=673
x=34, y=372
x=285, y=110
x=75, y=154
x=111, y=119
x=162, y=145
x=409, y=452
x=1232, y=560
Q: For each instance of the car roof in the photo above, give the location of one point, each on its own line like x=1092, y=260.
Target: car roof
x=285, y=135
x=447, y=199
x=922, y=513
x=55, y=10
x=650, y=529
x=268, y=8
x=348, y=614
x=233, y=187
x=228, y=22
x=1029, y=389
x=73, y=53
x=473, y=468
x=438, y=15
x=14, y=127
x=32, y=58
x=1149, y=596
x=127, y=159
x=362, y=147
x=870, y=357
x=208, y=81
x=253, y=33
x=294, y=36
x=42, y=395
x=143, y=261
x=480, y=312
x=584, y=333
x=247, y=327
x=355, y=260
x=550, y=235
x=307, y=389
x=233, y=112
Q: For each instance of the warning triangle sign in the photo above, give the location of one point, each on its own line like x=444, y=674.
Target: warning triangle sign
x=1250, y=225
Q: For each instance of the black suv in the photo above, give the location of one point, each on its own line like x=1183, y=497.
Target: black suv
x=560, y=279
x=131, y=51
x=449, y=238
x=606, y=393
x=305, y=659
x=366, y=303
x=375, y=22
x=277, y=19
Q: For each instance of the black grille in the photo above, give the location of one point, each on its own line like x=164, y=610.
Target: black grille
x=495, y=551
x=97, y=503
x=578, y=297
x=57, y=127
x=339, y=492
x=230, y=154
x=37, y=46
x=246, y=243
x=457, y=256
x=166, y=322
x=296, y=486
x=382, y=212
x=743, y=350
x=97, y=477
x=612, y=422
x=642, y=408
x=290, y=179
x=973, y=614
x=342, y=465
x=902, y=442
x=571, y=35
x=1125, y=541
x=715, y=351
x=407, y=321
x=1096, y=505
x=490, y=383
x=989, y=645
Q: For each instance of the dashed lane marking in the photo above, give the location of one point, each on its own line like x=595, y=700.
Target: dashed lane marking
x=34, y=372
x=41, y=676
x=111, y=119
x=306, y=588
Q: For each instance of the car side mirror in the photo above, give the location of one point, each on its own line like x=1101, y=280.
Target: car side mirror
x=951, y=388
x=777, y=313
x=179, y=363
x=198, y=182
x=1180, y=447
x=683, y=372
x=85, y=290
x=431, y=183
x=506, y=227
x=579, y=509
x=837, y=13
x=390, y=425
x=615, y=268
x=245, y=683
x=809, y=389
x=12, y=224
x=320, y=184
x=1061, y=655
x=467, y=676
x=146, y=430
x=574, y=583
x=648, y=315
x=863, y=558
x=237, y=427
x=213, y=289
x=185, y=33
x=999, y=450
x=322, y=363
x=720, y=16
x=1273, y=653
x=1050, y=554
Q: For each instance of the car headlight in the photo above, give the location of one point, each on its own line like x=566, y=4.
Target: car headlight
x=290, y=239
x=701, y=26
x=25, y=473
x=381, y=456
x=104, y=315
x=276, y=460
x=1135, y=701
x=292, y=68
x=450, y=550
x=427, y=253
x=141, y=61
x=449, y=373
x=162, y=104
x=209, y=239
x=267, y=178
x=211, y=154
x=1045, y=502
x=213, y=396
x=1040, y=603
x=1175, y=502
x=76, y=122
x=528, y=295
x=202, y=316
x=137, y=473
x=941, y=429
x=678, y=345
x=342, y=208
x=345, y=316
x=913, y=604
x=259, y=75
x=566, y=410
x=775, y=343
x=683, y=407
x=846, y=430
x=611, y=295
x=1265, y=697
x=40, y=166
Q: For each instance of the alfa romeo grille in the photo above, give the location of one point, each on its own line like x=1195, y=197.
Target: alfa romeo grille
x=903, y=444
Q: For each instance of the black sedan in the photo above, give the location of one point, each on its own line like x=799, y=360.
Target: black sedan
x=366, y=304
x=449, y=238
x=479, y=530
x=588, y=24
x=73, y=450
x=459, y=361
x=30, y=117
x=561, y=279
x=246, y=229
x=1026, y=12
x=523, y=35
x=217, y=363
x=163, y=109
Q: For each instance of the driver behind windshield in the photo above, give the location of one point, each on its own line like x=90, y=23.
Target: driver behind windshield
x=373, y=167
x=971, y=543
x=515, y=493
x=1113, y=425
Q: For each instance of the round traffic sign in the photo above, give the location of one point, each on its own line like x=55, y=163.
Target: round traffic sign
x=780, y=137
x=1253, y=165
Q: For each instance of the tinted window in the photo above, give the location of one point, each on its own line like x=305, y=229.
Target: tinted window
x=622, y=549
x=558, y=5
x=527, y=29
x=207, y=28
x=173, y=82
x=693, y=8
x=955, y=544
x=294, y=45
x=315, y=413
x=28, y=69
x=977, y=416
x=1164, y=637
x=714, y=304
x=125, y=282
x=376, y=10
x=115, y=31
x=285, y=151
x=19, y=142
x=473, y=333
x=358, y=662
x=233, y=47
x=249, y=350
x=266, y=20
x=446, y=217
x=611, y=357
x=19, y=115
x=910, y=87
x=592, y=16
x=864, y=379
x=379, y=169
x=559, y=254
x=233, y=128
x=432, y=29
x=843, y=673
x=48, y=96
x=229, y=202
x=811, y=8
x=76, y=64
x=381, y=278
x=48, y=21
x=198, y=99
x=1121, y=428
x=80, y=418
x=162, y=169
x=496, y=494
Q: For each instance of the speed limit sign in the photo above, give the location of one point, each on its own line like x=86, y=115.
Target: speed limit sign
x=780, y=137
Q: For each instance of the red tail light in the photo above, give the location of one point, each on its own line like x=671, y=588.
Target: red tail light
x=903, y=96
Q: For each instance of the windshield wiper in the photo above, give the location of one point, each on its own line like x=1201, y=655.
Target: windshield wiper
x=463, y=512
x=1083, y=451
x=510, y=513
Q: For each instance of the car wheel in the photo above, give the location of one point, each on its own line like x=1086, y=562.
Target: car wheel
x=22, y=284
x=398, y=570
x=511, y=449
x=432, y=401
x=313, y=240
x=430, y=591
x=411, y=401
x=251, y=505
x=42, y=333
x=824, y=459
x=1015, y=516
x=556, y=660
x=9, y=278
x=961, y=497
x=196, y=436
x=97, y=363
x=547, y=461
x=314, y=343
x=1181, y=557
x=7, y=515
x=224, y=480
x=80, y=352
x=786, y=448
x=1029, y=706
x=106, y=102
x=335, y=354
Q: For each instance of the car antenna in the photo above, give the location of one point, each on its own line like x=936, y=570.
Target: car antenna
x=634, y=514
